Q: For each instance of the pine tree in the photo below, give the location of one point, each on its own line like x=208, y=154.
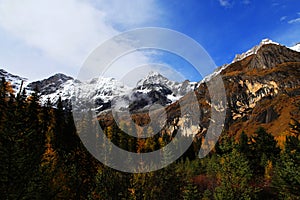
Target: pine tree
x=8, y=137
x=150, y=142
x=243, y=145
x=287, y=170
x=51, y=166
x=124, y=137
x=263, y=147
x=191, y=192
x=22, y=146
x=35, y=144
x=111, y=184
x=59, y=127
x=234, y=176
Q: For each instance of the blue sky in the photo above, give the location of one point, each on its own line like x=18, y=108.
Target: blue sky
x=225, y=28
x=40, y=38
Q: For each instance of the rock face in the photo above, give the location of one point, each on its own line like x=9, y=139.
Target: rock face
x=271, y=55
x=49, y=85
x=262, y=89
x=15, y=81
x=150, y=90
x=267, y=116
x=157, y=89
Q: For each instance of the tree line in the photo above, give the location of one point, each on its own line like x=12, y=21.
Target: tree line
x=42, y=157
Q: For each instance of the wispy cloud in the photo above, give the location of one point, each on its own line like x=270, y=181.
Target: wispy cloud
x=225, y=3
x=275, y=4
x=294, y=21
x=246, y=2
x=288, y=37
x=65, y=32
x=283, y=18
x=231, y=3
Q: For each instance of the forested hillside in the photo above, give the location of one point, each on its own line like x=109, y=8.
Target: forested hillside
x=42, y=157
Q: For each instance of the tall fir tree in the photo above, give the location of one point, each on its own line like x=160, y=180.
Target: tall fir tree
x=287, y=170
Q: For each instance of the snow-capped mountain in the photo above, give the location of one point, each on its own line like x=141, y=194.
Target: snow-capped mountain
x=254, y=50
x=262, y=90
x=50, y=85
x=154, y=78
x=100, y=90
x=296, y=47
x=154, y=88
x=15, y=81
x=237, y=58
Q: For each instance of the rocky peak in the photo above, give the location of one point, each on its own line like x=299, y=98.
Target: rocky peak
x=266, y=55
x=296, y=47
x=269, y=56
x=13, y=79
x=49, y=85
x=59, y=77
x=156, y=81
x=10, y=76
x=254, y=50
x=153, y=78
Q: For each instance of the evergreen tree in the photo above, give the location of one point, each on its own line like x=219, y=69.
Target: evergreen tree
x=59, y=127
x=263, y=147
x=22, y=146
x=191, y=192
x=124, y=137
x=111, y=184
x=243, y=145
x=234, y=175
x=150, y=142
x=287, y=171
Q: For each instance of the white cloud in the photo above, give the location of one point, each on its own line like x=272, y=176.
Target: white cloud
x=224, y=3
x=293, y=21
x=246, y=2
x=230, y=3
x=130, y=14
x=275, y=4
x=288, y=37
x=65, y=32
x=283, y=18
x=133, y=76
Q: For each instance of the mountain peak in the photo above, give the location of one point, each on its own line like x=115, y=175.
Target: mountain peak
x=49, y=85
x=267, y=41
x=153, y=73
x=10, y=77
x=13, y=79
x=253, y=50
x=296, y=47
x=61, y=76
x=152, y=78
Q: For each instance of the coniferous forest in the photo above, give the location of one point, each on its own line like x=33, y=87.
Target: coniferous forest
x=42, y=157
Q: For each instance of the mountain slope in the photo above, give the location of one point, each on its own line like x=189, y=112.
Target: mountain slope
x=154, y=88
x=15, y=80
x=296, y=47
x=262, y=89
